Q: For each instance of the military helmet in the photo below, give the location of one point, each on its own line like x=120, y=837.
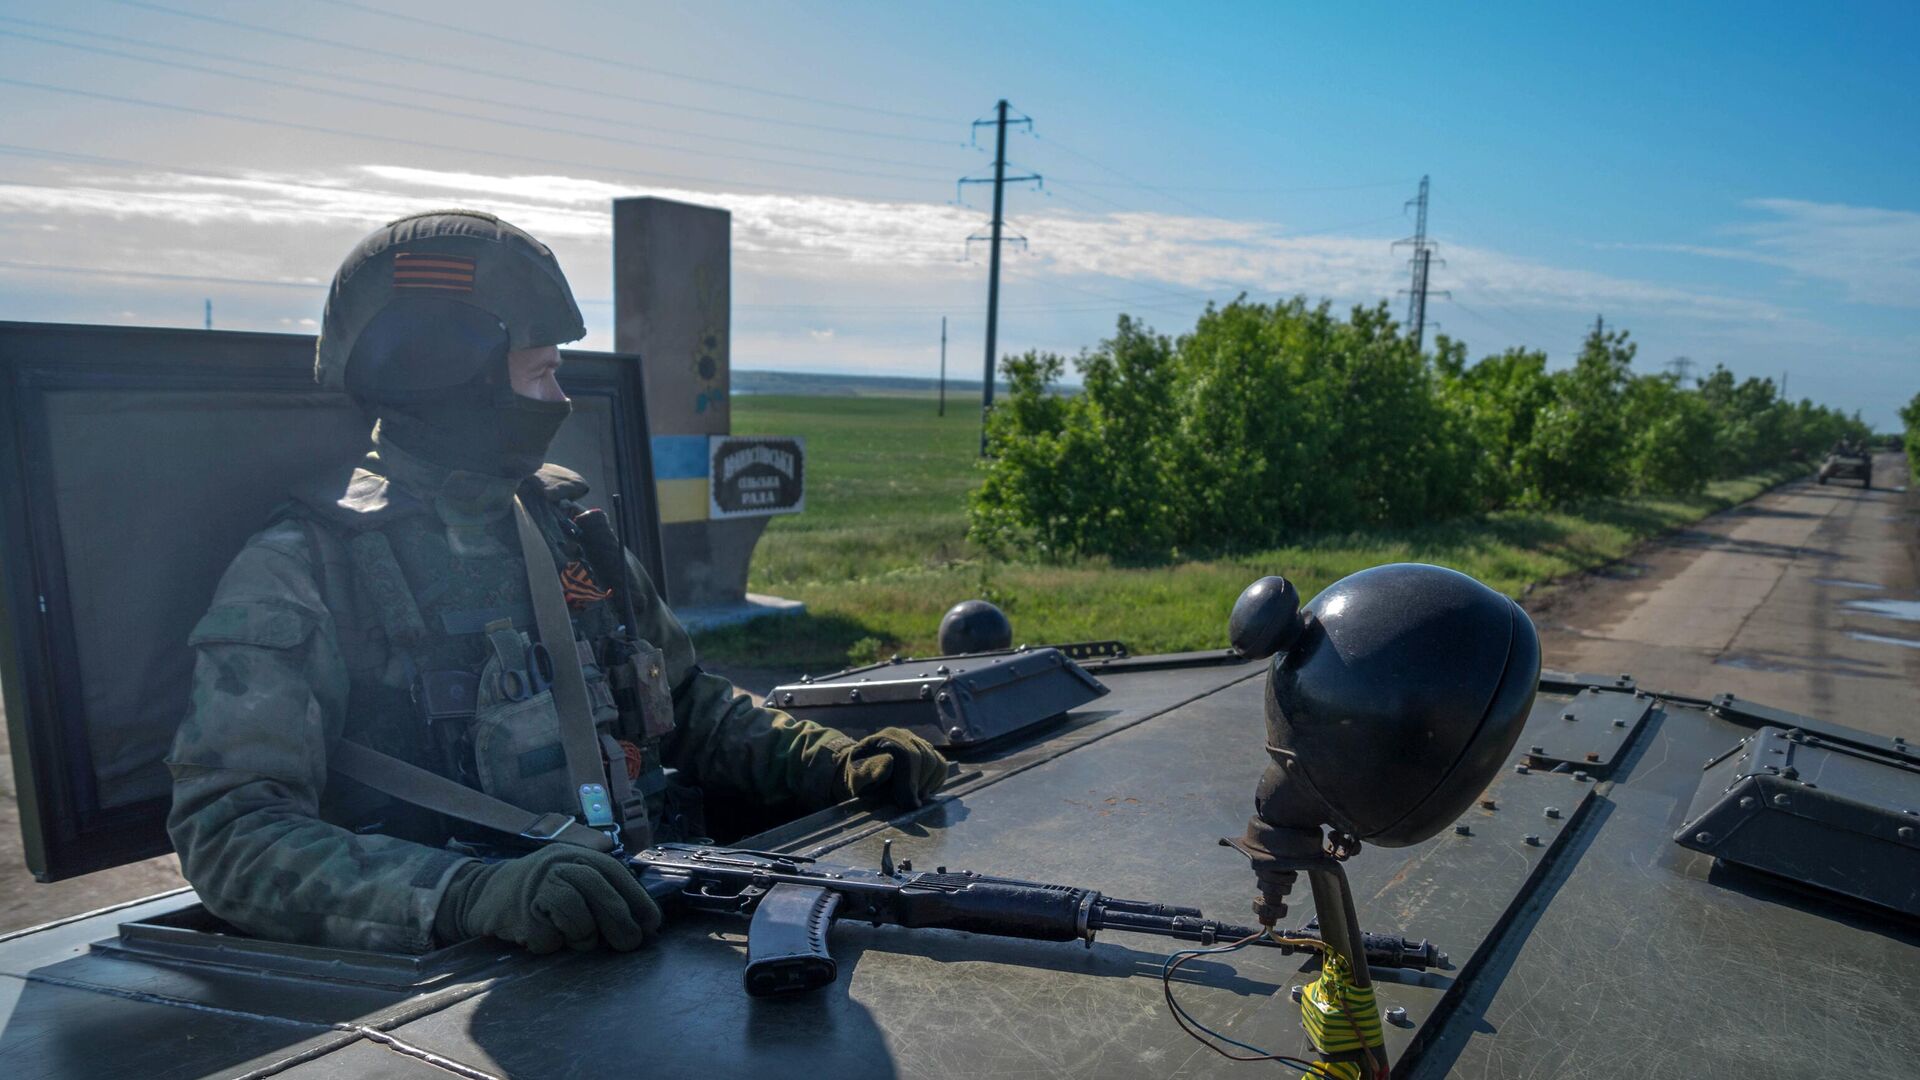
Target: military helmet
x=974, y=626
x=421, y=303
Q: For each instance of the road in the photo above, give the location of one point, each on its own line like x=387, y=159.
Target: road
x=1807, y=599
x=1792, y=600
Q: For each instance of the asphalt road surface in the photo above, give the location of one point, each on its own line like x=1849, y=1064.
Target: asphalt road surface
x=1807, y=598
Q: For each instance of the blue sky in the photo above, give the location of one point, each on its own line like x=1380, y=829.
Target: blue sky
x=1732, y=183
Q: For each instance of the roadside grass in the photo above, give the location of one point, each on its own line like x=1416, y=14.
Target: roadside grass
x=881, y=551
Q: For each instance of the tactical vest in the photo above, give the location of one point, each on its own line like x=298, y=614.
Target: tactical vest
x=446, y=672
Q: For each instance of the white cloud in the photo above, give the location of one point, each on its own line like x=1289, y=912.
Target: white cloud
x=1872, y=253
x=285, y=226
x=844, y=284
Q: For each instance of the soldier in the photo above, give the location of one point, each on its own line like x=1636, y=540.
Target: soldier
x=440, y=647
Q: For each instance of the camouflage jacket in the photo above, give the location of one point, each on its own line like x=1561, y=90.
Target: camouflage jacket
x=277, y=845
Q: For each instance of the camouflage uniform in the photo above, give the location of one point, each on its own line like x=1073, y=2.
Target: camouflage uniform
x=278, y=847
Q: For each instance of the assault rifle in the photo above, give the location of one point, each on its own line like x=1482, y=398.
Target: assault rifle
x=793, y=901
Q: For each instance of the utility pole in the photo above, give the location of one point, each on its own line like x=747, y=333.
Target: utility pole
x=209, y=312
x=1421, y=263
x=999, y=182
x=943, y=365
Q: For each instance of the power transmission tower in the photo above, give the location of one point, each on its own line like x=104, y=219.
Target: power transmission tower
x=1422, y=262
x=943, y=365
x=1681, y=366
x=999, y=182
x=1599, y=326
x=209, y=312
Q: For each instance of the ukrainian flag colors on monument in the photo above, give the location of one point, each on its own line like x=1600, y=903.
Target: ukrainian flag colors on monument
x=672, y=268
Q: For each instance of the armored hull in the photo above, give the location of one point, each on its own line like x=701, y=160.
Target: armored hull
x=1857, y=467
x=1609, y=905
x=1600, y=944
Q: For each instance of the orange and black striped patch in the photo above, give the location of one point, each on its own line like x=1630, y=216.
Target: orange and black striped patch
x=581, y=590
x=424, y=270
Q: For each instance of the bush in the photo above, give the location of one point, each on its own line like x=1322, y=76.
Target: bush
x=1670, y=450
x=1910, y=416
x=1088, y=473
x=1271, y=420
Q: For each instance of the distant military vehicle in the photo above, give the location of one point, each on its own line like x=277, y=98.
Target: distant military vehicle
x=1848, y=462
x=1623, y=882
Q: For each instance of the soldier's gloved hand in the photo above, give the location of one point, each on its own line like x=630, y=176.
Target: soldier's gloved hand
x=558, y=895
x=891, y=765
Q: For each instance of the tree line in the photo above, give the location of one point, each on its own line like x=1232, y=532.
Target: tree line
x=1271, y=420
x=1910, y=416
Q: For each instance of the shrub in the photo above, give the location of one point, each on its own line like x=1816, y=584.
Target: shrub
x=1910, y=416
x=1271, y=420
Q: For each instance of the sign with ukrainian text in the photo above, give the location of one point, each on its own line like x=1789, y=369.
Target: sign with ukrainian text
x=752, y=475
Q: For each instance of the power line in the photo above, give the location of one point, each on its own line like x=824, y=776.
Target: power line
x=1325, y=229
x=1285, y=190
x=993, y=270
x=492, y=103
x=455, y=113
x=1493, y=297
x=1063, y=196
x=363, y=49
x=1116, y=172
x=925, y=246
x=154, y=275
x=316, y=285
x=1519, y=336
x=294, y=125
x=1421, y=262
x=626, y=64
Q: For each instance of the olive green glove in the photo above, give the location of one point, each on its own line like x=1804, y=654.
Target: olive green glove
x=891, y=765
x=558, y=895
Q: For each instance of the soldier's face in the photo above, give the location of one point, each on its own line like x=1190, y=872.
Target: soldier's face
x=531, y=373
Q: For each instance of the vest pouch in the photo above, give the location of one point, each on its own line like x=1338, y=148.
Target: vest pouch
x=651, y=694
x=599, y=692
x=517, y=755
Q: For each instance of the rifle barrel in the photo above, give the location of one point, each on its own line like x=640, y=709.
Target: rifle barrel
x=1384, y=950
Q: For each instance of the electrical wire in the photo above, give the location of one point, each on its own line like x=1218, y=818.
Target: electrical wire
x=492, y=103
x=154, y=275
x=1096, y=162
x=363, y=49
x=1250, y=190
x=293, y=125
x=1205, y=1035
x=457, y=114
x=624, y=64
x=1493, y=297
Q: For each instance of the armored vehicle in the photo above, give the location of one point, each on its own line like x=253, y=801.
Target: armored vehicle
x=1636, y=881
x=1848, y=462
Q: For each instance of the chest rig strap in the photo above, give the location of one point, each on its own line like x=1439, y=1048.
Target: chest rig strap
x=579, y=740
x=379, y=572
x=408, y=782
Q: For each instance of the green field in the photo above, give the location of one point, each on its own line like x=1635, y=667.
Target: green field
x=881, y=550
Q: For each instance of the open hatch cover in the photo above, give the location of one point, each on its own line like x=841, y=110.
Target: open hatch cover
x=1828, y=813
x=134, y=463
